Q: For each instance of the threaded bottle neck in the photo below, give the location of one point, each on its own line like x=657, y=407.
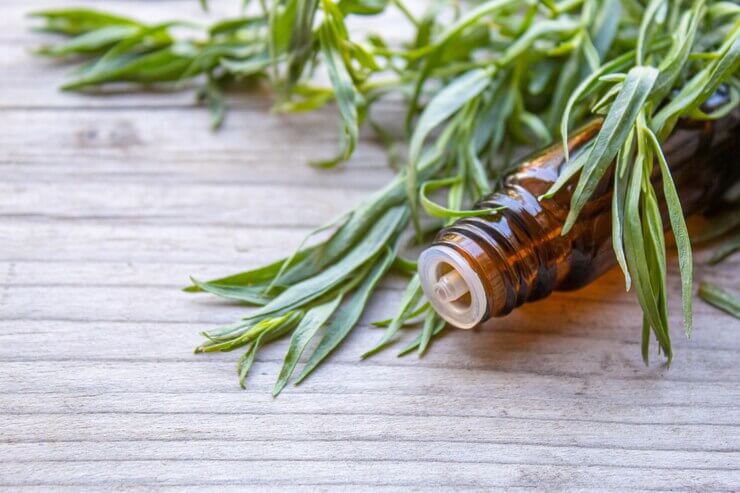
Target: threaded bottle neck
x=518, y=252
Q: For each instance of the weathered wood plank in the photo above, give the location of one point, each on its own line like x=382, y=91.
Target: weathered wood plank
x=217, y=375
x=414, y=451
x=149, y=202
x=142, y=140
x=302, y=400
x=399, y=474
x=298, y=426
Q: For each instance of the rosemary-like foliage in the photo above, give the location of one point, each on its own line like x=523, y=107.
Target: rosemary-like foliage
x=479, y=80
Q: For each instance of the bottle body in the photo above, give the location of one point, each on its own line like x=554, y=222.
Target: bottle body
x=519, y=254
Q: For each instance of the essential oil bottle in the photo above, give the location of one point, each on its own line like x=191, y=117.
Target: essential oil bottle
x=483, y=267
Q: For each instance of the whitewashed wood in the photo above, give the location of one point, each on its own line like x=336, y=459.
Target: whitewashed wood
x=107, y=204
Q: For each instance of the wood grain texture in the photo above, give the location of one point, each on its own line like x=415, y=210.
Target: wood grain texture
x=107, y=204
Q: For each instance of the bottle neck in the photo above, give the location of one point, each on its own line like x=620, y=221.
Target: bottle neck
x=517, y=254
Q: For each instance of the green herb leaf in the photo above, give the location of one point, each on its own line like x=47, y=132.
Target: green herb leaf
x=313, y=287
x=409, y=301
x=75, y=21
x=616, y=127
x=701, y=85
x=720, y=298
x=277, y=330
x=433, y=324
x=586, y=87
x=444, y=105
x=621, y=181
x=258, y=276
x=345, y=93
x=637, y=258
x=91, y=41
x=681, y=234
x=254, y=295
x=416, y=343
x=347, y=316
x=314, y=319
x=436, y=210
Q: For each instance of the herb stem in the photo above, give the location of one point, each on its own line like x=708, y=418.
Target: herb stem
x=406, y=12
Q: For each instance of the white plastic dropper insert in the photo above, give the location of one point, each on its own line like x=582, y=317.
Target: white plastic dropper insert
x=452, y=286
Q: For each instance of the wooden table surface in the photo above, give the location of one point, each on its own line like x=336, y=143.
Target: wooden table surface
x=107, y=204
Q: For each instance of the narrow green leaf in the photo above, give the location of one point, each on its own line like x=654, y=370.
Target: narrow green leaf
x=612, y=135
x=490, y=128
x=585, y=88
x=673, y=63
x=444, y=105
x=290, y=261
x=164, y=65
x=348, y=315
x=260, y=275
x=363, y=7
x=651, y=18
x=213, y=96
x=538, y=30
x=359, y=221
x=433, y=324
x=477, y=172
x=299, y=37
x=411, y=320
x=278, y=330
x=405, y=265
x=231, y=26
x=254, y=295
x=441, y=44
x=569, y=169
x=700, y=86
x=345, y=93
x=567, y=81
x=436, y=210
x=635, y=253
x=681, y=234
x=621, y=181
x=655, y=255
x=91, y=41
x=720, y=298
x=605, y=27
x=416, y=343
x=408, y=303
x=248, y=67
x=237, y=335
x=314, y=319
x=645, y=343
x=75, y=21
x=313, y=287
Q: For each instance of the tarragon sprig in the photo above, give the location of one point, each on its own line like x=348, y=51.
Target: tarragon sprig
x=501, y=74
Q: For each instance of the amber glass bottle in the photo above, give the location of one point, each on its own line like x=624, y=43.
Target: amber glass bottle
x=484, y=267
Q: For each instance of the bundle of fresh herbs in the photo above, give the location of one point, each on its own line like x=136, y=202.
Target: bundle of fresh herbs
x=479, y=80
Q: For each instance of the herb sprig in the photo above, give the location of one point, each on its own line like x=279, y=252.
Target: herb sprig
x=479, y=81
